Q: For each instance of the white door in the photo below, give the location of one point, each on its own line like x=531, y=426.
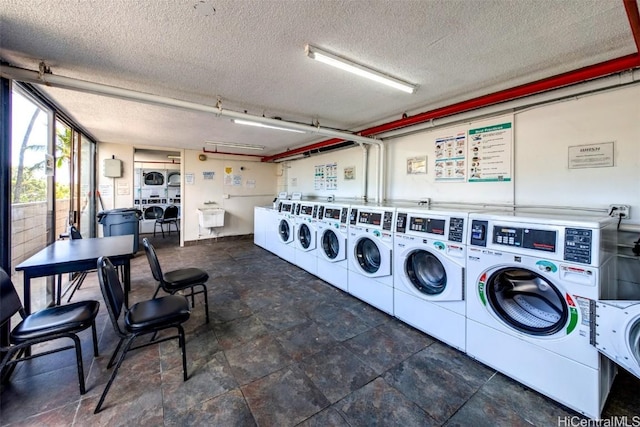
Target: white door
x=371, y=258
x=431, y=276
x=618, y=333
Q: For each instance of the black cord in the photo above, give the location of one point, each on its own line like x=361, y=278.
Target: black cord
x=619, y=221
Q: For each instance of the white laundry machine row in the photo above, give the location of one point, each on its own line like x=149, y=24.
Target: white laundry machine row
x=370, y=255
x=428, y=274
x=332, y=236
x=306, y=232
x=530, y=281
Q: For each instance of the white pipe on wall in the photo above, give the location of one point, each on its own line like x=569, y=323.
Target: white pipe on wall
x=132, y=95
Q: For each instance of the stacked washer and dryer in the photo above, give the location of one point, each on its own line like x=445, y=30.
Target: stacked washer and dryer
x=532, y=279
x=155, y=190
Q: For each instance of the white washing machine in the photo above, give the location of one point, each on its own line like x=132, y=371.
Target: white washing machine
x=261, y=217
x=370, y=255
x=428, y=274
x=333, y=231
x=285, y=226
x=530, y=281
x=306, y=232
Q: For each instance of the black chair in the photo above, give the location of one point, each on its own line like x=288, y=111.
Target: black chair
x=77, y=278
x=53, y=323
x=145, y=317
x=177, y=280
x=169, y=217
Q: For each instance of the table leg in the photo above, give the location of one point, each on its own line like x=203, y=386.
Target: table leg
x=27, y=293
x=26, y=304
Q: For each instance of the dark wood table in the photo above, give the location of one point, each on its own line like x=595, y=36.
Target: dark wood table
x=69, y=256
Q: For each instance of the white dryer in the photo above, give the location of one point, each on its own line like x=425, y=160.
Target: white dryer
x=331, y=250
x=370, y=255
x=306, y=232
x=285, y=225
x=531, y=278
x=429, y=267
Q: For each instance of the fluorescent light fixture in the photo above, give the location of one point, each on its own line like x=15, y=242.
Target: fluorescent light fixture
x=292, y=157
x=360, y=70
x=171, y=156
x=262, y=125
x=236, y=145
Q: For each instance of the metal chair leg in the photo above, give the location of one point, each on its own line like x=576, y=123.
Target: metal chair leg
x=79, y=363
x=114, y=372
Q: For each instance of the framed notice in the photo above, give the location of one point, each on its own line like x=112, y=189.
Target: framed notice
x=417, y=165
x=591, y=156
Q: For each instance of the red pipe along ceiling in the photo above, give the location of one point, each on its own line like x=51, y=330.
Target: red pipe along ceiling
x=572, y=77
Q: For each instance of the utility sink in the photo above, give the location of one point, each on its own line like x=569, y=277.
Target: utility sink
x=209, y=217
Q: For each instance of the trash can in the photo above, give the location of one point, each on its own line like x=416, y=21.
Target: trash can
x=119, y=222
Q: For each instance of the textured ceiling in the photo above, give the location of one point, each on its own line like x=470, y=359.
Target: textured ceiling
x=250, y=54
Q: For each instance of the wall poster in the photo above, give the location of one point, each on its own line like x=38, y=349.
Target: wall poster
x=490, y=153
x=417, y=165
x=451, y=159
x=326, y=177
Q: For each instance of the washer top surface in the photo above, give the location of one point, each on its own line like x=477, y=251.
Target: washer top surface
x=555, y=217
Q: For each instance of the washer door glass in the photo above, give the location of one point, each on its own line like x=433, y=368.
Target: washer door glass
x=426, y=272
x=153, y=212
x=526, y=301
x=634, y=340
x=304, y=236
x=284, y=230
x=368, y=255
x=330, y=244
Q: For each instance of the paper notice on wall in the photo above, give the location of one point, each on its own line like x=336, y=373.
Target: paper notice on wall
x=489, y=154
x=123, y=188
x=228, y=175
x=450, y=153
x=105, y=190
x=591, y=156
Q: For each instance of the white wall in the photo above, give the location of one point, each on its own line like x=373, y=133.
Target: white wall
x=115, y=192
x=239, y=204
x=540, y=172
x=258, y=186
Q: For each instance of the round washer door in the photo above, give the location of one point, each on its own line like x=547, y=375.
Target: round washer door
x=284, y=230
x=526, y=301
x=304, y=236
x=368, y=255
x=634, y=340
x=330, y=244
x=425, y=272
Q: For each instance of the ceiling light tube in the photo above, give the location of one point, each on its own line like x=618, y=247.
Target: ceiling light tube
x=172, y=156
x=292, y=157
x=236, y=145
x=360, y=70
x=262, y=125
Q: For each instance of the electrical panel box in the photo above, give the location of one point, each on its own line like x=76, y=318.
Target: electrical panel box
x=112, y=168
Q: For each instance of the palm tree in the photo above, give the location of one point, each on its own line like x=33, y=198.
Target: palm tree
x=63, y=154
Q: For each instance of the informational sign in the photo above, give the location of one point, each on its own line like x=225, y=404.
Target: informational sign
x=417, y=165
x=189, y=178
x=208, y=175
x=326, y=177
x=450, y=152
x=349, y=173
x=489, y=154
x=591, y=156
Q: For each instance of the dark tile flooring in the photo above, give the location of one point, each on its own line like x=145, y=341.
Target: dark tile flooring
x=283, y=348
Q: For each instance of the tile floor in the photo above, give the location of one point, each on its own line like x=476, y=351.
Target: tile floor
x=283, y=348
